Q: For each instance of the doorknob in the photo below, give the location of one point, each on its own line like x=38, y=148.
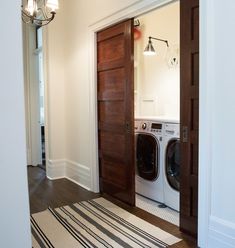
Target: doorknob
x=185, y=134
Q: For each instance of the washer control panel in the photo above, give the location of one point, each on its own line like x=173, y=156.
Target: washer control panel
x=156, y=128
x=153, y=127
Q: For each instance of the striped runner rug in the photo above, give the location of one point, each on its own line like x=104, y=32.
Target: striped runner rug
x=95, y=223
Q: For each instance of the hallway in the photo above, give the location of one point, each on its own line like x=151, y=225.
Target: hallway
x=46, y=193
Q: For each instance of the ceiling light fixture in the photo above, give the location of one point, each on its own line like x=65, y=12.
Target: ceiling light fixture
x=39, y=12
x=149, y=50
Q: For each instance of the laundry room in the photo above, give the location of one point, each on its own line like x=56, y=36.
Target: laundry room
x=157, y=111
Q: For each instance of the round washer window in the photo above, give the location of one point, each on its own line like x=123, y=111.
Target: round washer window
x=173, y=164
x=147, y=156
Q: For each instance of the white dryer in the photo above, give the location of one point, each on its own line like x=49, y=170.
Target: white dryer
x=171, y=165
x=149, y=167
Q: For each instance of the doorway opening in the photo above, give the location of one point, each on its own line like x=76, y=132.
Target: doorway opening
x=39, y=47
x=157, y=112
x=173, y=124
x=34, y=95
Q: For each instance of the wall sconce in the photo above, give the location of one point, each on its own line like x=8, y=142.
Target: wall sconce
x=39, y=12
x=149, y=50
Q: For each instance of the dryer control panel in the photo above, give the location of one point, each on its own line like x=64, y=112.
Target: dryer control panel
x=172, y=129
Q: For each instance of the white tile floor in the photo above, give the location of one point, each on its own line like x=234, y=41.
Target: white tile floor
x=167, y=214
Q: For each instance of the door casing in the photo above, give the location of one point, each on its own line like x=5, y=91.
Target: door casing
x=27, y=31
x=31, y=82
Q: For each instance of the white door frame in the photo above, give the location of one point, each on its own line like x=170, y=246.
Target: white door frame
x=139, y=8
x=33, y=132
x=46, y=95
x=31, y=147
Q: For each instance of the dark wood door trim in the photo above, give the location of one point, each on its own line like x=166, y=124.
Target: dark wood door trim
x=189, y=116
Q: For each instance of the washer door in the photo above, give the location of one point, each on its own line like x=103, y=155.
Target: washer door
x=173, y=163
x=147, y=156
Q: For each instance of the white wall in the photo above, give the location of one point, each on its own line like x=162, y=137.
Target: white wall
x=14, y=214
x=54, y=69
x=157, y=88
x=223, y=114
x=218, y=97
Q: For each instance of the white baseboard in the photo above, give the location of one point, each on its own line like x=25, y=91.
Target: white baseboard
x=63, y=168
x=78, y=174
x=221, y=233
x=56, y=169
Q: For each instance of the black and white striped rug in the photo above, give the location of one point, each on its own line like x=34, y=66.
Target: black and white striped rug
x=95, y=223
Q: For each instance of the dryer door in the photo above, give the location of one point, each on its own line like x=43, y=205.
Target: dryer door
x=147, y=149
x=173, y=163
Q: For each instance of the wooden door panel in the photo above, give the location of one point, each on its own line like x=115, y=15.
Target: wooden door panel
x=195, y=66
x=112, y=144
x=195, y=21
x=116, y=111
x=108, y=127
x=194, y=112
x=189, y=15
x=109, y=65
x=111, y=49
x=112, y=112
x=111, y=168
x=111, y=84
x=194, y=158
x=113, y=31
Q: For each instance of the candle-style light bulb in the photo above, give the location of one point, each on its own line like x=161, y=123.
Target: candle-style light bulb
x=53, y=5
x=31, y=7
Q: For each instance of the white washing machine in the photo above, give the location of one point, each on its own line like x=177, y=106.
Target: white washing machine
x=171, y=171
x=149, y=166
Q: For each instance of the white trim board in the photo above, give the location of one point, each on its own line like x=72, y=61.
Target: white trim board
x=56, y=169
x=63, y=168
x=221, y=233
x=206, y=63
x=78, y=174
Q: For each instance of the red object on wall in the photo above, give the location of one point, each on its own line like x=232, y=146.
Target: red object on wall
x=137, y=34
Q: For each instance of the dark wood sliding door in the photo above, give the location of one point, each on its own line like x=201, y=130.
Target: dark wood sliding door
x=189, y=68
x=116, y=111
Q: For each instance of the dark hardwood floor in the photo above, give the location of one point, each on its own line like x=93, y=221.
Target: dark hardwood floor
x=44, y=193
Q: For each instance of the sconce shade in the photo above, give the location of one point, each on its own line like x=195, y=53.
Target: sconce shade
x=149, y=50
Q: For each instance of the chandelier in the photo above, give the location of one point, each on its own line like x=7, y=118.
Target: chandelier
x=39, y=12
